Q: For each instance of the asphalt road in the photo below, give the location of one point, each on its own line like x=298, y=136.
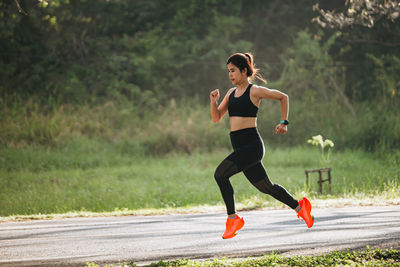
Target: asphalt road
x=145, y=239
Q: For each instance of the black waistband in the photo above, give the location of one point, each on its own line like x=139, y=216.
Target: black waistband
x=245, y=131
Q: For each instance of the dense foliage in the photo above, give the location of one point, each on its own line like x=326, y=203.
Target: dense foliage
x=343, y=80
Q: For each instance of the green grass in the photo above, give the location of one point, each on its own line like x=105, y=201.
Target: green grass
x=97, y=176
x=367, y=257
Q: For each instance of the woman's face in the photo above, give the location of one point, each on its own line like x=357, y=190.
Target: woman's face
x=235, y=75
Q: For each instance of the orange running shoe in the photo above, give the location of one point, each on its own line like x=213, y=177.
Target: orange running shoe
x=305, y=212
x=232, y=226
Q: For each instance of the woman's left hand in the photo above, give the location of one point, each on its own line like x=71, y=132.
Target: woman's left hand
x=280, y=129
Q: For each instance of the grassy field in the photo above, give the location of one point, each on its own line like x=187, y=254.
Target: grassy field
x=367, y=257
x=100, y=177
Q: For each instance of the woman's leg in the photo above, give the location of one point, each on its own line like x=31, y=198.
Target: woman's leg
x=258, y=176
x=224, y=171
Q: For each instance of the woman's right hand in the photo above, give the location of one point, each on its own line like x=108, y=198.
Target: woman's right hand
x=214, y=95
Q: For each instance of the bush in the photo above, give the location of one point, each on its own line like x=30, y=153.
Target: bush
x=183, y=127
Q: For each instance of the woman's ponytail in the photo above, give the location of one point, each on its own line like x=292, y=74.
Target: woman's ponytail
x=254, y=72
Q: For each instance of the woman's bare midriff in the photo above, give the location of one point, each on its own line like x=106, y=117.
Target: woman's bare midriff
x=238, y=123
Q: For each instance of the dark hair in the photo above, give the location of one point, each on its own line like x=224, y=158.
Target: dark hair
x=246, y=61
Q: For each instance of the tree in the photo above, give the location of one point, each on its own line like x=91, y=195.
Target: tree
x=368, y=44
x=359, y=12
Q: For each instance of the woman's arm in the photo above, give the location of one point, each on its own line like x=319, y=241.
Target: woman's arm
x=218, y=112
x=265, y=93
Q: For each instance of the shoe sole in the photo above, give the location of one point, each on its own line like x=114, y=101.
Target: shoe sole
x=230, y=236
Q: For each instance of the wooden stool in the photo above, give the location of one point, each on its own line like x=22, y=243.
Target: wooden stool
x=321, y=180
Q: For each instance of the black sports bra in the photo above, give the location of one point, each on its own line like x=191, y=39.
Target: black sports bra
x=242, y=106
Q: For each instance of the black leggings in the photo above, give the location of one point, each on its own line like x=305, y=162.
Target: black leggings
x=248, y=151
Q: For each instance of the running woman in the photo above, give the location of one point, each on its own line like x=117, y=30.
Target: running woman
x=242, y=102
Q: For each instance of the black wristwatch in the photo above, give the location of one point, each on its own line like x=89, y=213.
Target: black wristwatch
x=285, y=122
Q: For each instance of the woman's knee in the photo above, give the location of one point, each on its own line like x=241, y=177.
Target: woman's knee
x=225, y=170
x=218, y=175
